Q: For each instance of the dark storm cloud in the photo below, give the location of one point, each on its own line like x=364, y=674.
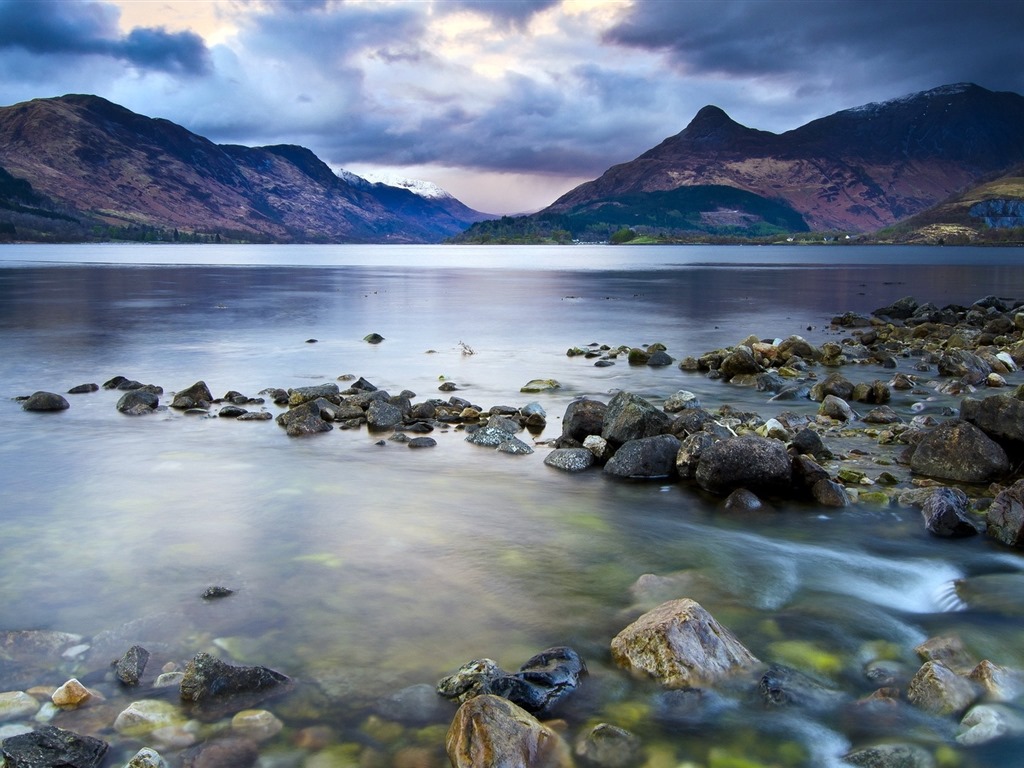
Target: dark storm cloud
x=515, y=12
x=835, y=42
x=90, y=29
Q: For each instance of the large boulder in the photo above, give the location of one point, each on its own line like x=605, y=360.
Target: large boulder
x=833, y=384
x=647, y=457
x=945, y=514
x=759, y=464
x=137, y=402
x=492, y=732
x=196, y=396
x=1006, y=516
x=582, y=418
x=964, y=364
x=680, y=645
x=938, y=690
x=959, y=451
x=998, y=416
x=630, y=417
x=307, y=419
x=739, y=361
x=382, y=415
x=301, y=395
x=45, y=401
x=49, y=746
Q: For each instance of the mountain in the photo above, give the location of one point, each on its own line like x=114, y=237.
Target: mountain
x=855, y=171
x=80, y=167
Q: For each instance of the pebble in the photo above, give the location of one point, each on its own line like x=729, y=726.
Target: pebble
x=16, y=704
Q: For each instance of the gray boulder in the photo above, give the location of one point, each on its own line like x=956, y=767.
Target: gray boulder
x=301, y=395
x=739, y=361
x=1006, y=516
x=758, y=464
x=130, y=667
x=630, y=417
x=959, y=451
x=196, y=396
x=690, y=451
x=209, y=682
x=307, y=419
x=582, y=418
x=964, y=364
x=381, y=415
x=836, y=408
x=647, y=457
x=48, y=747
x=999, y=416
x=834, y=384
x=45, y=401
x=680, y=645
x=945, y=514
x=137, y=402
x=570, y=459
x=938, y=690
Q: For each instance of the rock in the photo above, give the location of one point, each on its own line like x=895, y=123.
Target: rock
x=659, y=358
x=680, y=645
x=882, y=415
x=256, y=724
x=216, y=592
x=877, y=392
x=71, y=694
x=829, y=493
x=515, y=447
x=490, y=437
x=373, y=338
x=492, y=732
x=781, y=686
x=146, y=715
x=945, y=514
x=570, y=459
x=949, y=650
x=959, y=451
x=742, y=500
x=899, y=310
x=207, y=677
x=301, y=395
x=964, y=364
x=147, y=758
x=381, y=415
x=82, y=389
x=582, y=418
x=739, y=361
x=540, y=385
x=999, y=416
x=49, y=747
x=598, y=446
x=16, y=704
x=938, y=690
x=797, y=346
x=45, y=401
x=758, y=464
x=1006, y=516
x=196, y=396
x=836, y=408
x=807, y=441
x=998, y=683
x=681, y=401
x=890, y=756
x=222, y=753
x=648, y=457
x=422, y=442
x=988, y=722
x=833, y=384
x=306, y=419
x=415, y=705
x=137, y=402
x=129, y=668
x=608, y=746
x=630, y=417
x=470, y=680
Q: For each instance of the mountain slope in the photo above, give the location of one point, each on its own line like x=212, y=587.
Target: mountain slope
x=857, y=170
x=109, y=167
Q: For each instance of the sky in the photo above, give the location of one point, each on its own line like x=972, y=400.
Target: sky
x=507, y=104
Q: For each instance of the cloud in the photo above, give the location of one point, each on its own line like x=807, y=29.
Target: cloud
x=511, y=12
x=848, y=45
x=90, y=29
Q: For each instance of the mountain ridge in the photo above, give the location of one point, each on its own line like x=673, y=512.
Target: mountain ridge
x=114, y=170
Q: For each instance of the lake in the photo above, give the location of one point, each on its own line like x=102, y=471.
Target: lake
x=360, y=569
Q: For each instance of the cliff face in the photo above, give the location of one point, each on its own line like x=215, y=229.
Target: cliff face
x=101, y=163
x=857, y=170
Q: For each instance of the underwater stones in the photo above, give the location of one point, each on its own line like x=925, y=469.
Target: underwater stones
x=45, y=401
x=758, y=464
x=782, y=686
x=147, y=757
x=16, y=704
x=147, y=715
x=647, y=457
x=890, y=756
x=1006, y=516
x=630, y=417
x=196, y=396
x=50, y=747
x=987, y=722
x=945, y=514
x=608, y=746
x=256, y=724
x=680, y=645
x=570, y=459
x=207, y=677
x=129, y=668
x=938, y=690
x=492, y=732
x=137, y=402
x=419, y=704
x=959, y=451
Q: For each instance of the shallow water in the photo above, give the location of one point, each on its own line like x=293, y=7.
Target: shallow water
x=363, y=568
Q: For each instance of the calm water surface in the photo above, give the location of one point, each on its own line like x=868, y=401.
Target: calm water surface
x=361, y=569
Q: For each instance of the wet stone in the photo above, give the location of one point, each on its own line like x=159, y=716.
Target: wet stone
x=130, y=667
x=50, y=747
x=570, y=459
x=422, y=442
x=83, y=389
x=608, y=746
x=45, y=401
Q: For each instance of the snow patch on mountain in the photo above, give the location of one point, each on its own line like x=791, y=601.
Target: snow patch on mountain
x=921, y=96
x=425, y=189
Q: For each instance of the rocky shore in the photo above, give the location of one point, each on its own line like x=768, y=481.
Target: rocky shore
x=829, y=437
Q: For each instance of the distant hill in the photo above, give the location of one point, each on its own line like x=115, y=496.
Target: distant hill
x=79, y=167
x=856, y=171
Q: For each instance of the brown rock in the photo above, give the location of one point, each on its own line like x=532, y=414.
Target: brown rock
x=940, y=691
x=680, y=644
x=491, y=732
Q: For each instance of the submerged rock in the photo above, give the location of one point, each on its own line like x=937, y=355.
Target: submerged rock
x=782, y=686
x=680, y=644
x=608, y=746
x=130, y=667
x=196, y=396
x=208, y=679
x=939, y=691
x=137, y=402
x=45, y=401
